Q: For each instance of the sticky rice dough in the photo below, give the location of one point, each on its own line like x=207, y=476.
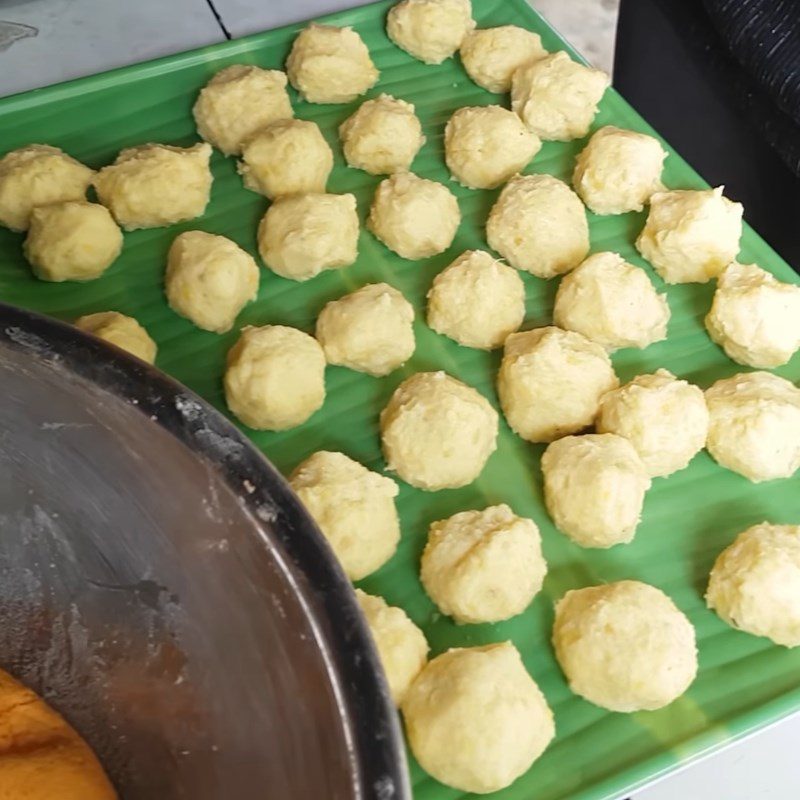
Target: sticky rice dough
x=430, y=30
x=120, y=330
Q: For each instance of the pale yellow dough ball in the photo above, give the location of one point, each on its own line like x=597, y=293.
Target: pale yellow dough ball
x=624, y=646
x=538, y=224
x=475, y=718
x=209, y=279
x=275, y=377
x=124, y=332
x=354, y=508
x=436, y=432
x=430, y=30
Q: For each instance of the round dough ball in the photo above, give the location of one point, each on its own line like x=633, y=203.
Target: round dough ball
x=209, y=279
x=550, y=382
x=430, y=30
x=492, y=55
x=275, y=377
x=72, y=241
x=556, y=97
x=624, y=646
x=35, y=175
x=477, y=301
x=754, y=317
x=123, y=332
x=755, y=583
x=612, y=303
x=664, y=418
x=353, y=507
x=483, y=566
x=484, y=146
x=415, y=217
x=691, y=235
x=154, y=185
x=302, y=235
x=382, y=137
x=290, y=156
x=475, y=718
x=401, y=645
x=370, y=330
x=755, y=425
x=330, y=65
x=436, y=432
x=238, y=101
x=539, y=225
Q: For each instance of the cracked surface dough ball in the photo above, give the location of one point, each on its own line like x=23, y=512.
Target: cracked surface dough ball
x=122, y=331
x=354, y=508
x=556, y=97
x=414, y=217
x=35, y=175
x=664, y=418
x=430, y=30
x=275, y=377
x=612, y=302
x=550, y=382
x=302, y=235
x=755, y=425
x=594, y=487
x=209, y=279
x=483, y=566
x=624, y=646
x=330, y=65
x=382, y=137
x=238, y=101
x=754, y=317
x=72, y=241
x=691, y=235
x=475, y=718
x=370, y=330
x=436, y=432
x=538, y=224
x=755, y=583
x=484, y=146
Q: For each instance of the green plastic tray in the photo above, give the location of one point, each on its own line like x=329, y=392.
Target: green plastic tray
x=744, y=682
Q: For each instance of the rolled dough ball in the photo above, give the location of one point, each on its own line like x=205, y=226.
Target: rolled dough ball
x=618, y=170
x=275, y=377
x=755, y=425
x=154, y=185
x=238, y=101
x=690, y=235
x=556, y=97
x=550, y=382
x=484, y=146
x=475, y=718
x=302, y=235
x=290, y=156
x=492, y=55
x=383, y=136
x=754, y=317
x=538, y=224
x=370, y=330
x=664, y=418
x=755, y=583
x=123, y=332
x=612, y=303
x=209, y=279
x=35, y=175
x=330, y=65
x=483, y=566
x=436, y=432
x=353, y=507
x=72, y=241
x=430, y=30
x=624, y=646
x=477, y=301
x=415, y=217
x=401, y=645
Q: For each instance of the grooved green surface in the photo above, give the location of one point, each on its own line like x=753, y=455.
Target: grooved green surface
x=744, y=682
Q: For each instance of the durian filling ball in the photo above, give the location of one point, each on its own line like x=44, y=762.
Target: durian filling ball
x=430, y=30
x=120, y=330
